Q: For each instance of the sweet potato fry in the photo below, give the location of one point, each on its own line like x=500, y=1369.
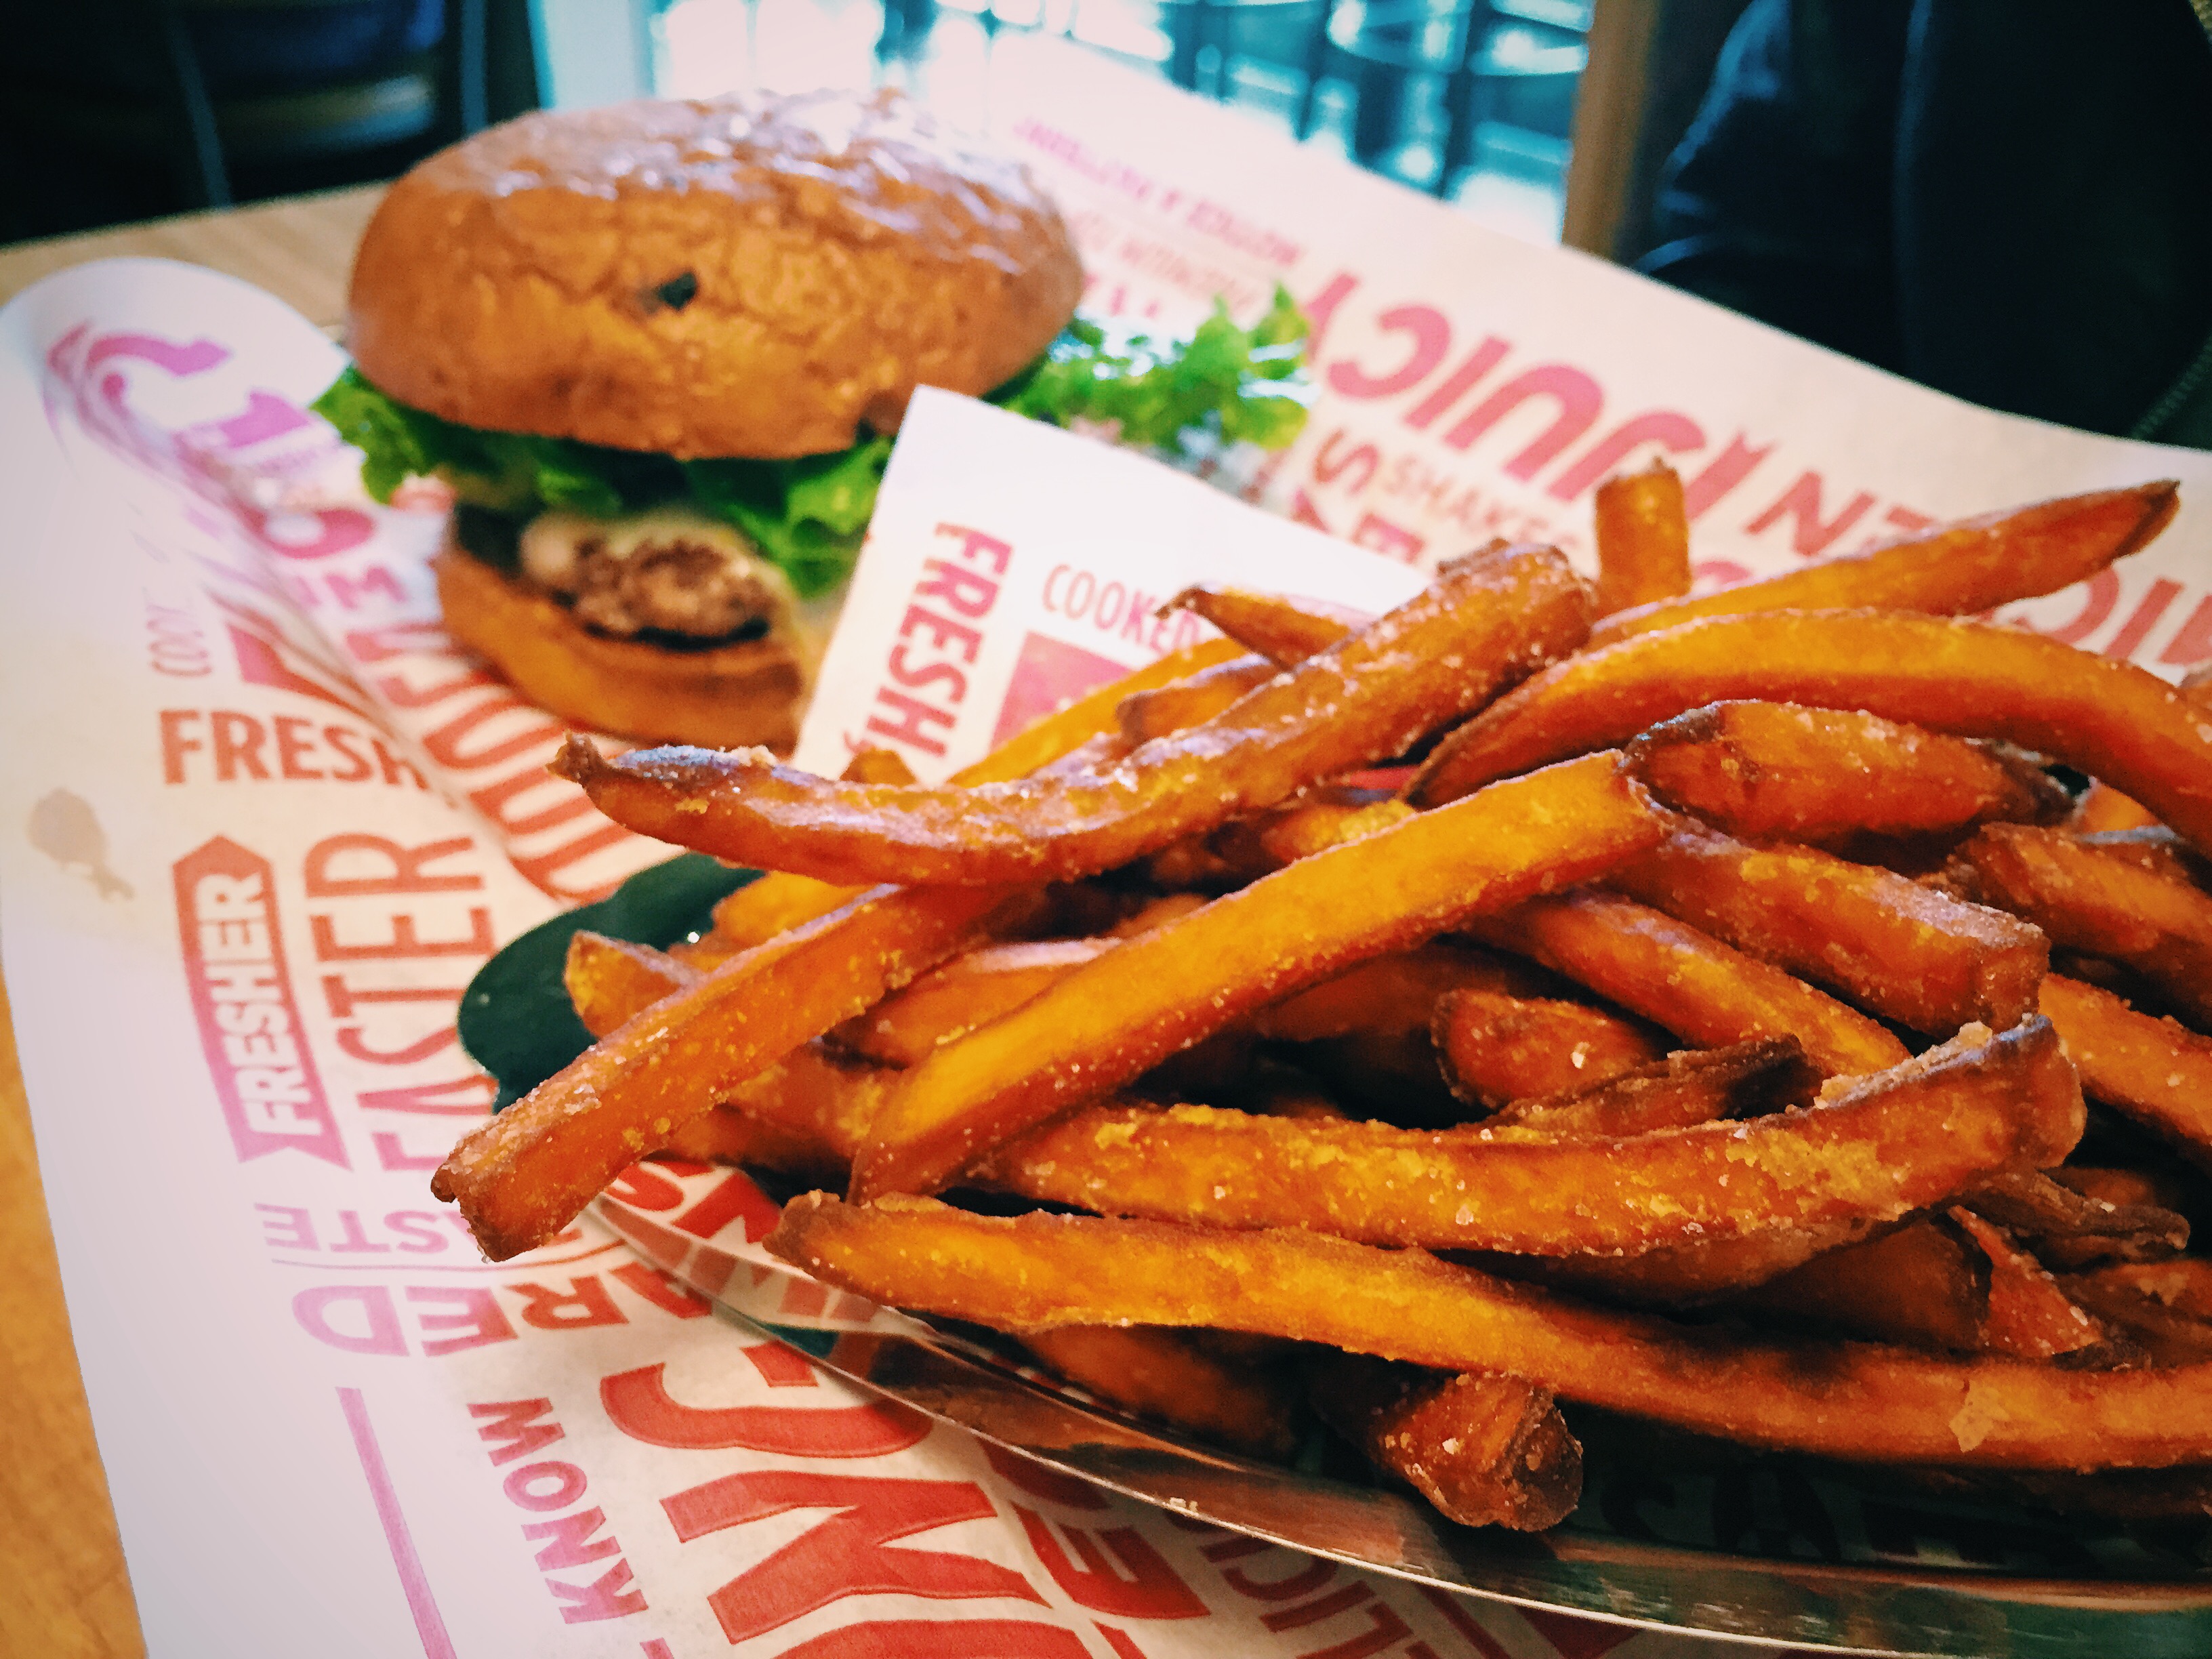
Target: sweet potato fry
x=1283, y=629
x=1154, y=914
x=1768, y=769
x=1091, y=715
x=2103, y=807
x=2164, y=1188
x=1321, y=819
x=770, y=904
x=863, y=1045
x=724, y=1136
x=610, y=980
x=1245, y=849
x=2101, y=901
x=1957, y=1284
x=948, y=1002
x=729, y=1135
x=2167, y=1306
x=804, y=1115
x=1921, y=1285
x=766, y=906
x=2068, y=1229
x=1496, y=1048
x=2151, y=846
x=1646, y=962
x=2155, y=1070
x=1692, y=1275
x=779, y=901
x=1912, y=954
x=1191, y=867
x=877, y=766
x=2170, y=1332
x=1390, y=993
x=1486, y=1450
x=1874, y=1149
x=1962, y=569
x=1481, y=625
x=1855, y=1401
x=1642, y=539
x=760, y=910
x=1163, y=1374
x=524, y=1176
x=1116, y=1018
x=2029, y=1316
x=1698, y=1085
x=1166, y=709
x=2183, y=1284
x=2108, y=719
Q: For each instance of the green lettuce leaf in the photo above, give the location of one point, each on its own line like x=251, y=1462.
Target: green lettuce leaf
x=1245, y=384
x=396, y=442
x=506, y=471
x=808, y=516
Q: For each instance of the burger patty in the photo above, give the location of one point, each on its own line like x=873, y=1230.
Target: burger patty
x=672, y=587
x=670, y=575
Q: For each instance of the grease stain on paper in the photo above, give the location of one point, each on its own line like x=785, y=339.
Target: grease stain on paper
x=66, y=829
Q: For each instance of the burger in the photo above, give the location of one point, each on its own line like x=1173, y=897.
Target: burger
x=658, y=353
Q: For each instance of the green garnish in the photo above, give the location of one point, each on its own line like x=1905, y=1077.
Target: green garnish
x=1249, y=384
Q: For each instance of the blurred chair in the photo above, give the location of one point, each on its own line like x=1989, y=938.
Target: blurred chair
x=1288, y=31
x=301, y=93
x=907, y=24
x=1513, y=60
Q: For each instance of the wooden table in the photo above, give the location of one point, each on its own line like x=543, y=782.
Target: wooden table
x=299, y=250
x=68, y=1596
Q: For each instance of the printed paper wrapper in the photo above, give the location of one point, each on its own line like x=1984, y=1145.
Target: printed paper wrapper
x=260, y=822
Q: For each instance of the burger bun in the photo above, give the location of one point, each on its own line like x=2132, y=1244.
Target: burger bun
x=757, y=275
x=723, y=697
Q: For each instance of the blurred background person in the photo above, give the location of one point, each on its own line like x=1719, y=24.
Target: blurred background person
x=2008, y=200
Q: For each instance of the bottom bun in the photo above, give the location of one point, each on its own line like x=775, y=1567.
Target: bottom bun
x=723, y=697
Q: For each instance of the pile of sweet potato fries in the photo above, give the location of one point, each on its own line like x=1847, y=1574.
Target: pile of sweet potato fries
x=1696, y=1026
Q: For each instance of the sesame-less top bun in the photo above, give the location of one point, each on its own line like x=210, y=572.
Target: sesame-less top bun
x=757, y=275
